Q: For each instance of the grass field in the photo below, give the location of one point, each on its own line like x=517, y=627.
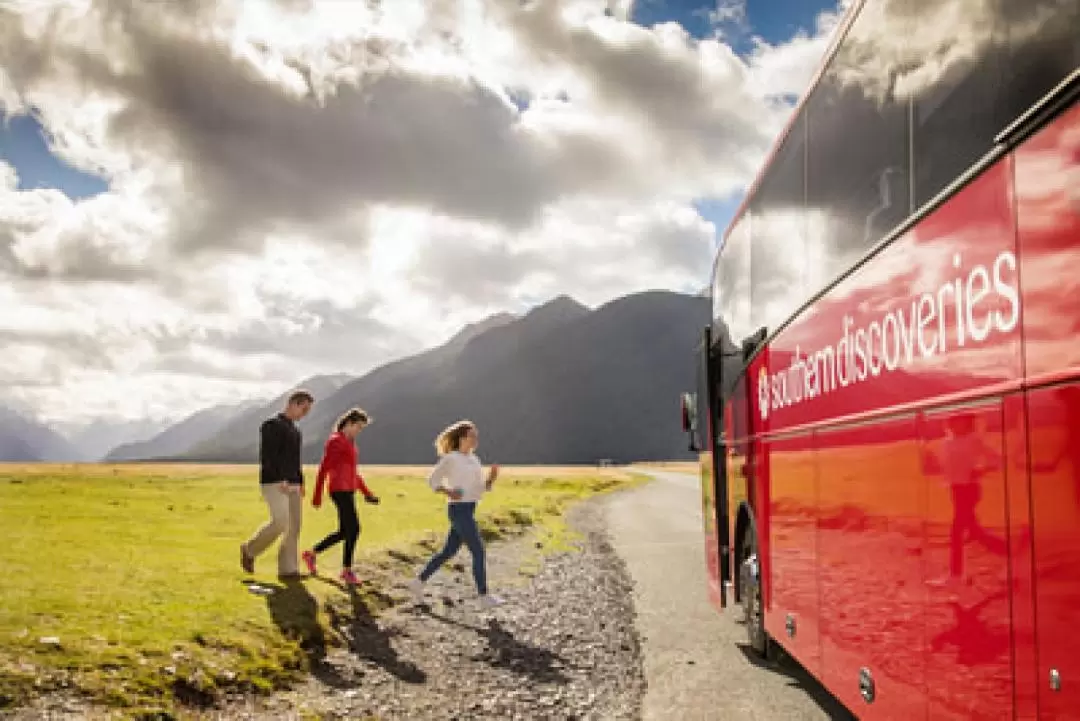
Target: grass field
x=123, y=582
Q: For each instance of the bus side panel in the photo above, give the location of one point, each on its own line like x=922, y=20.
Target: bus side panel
x=1021, y=569
x=1054, y=427
x=935, y=315
x=1048, y=217
x=1047, y=169
x=872, y=491
x=758, y=483
x=966, y=565
x=792, y=479
x=709, y=523
x=738, y=468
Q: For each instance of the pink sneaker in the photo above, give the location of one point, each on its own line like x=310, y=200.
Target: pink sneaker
x=349, y=577
x=309, y=561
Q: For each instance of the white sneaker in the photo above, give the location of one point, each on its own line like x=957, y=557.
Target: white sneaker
x=416, y=588
x=489, y=601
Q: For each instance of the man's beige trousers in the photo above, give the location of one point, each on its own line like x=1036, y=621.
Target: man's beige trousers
x=286, y=508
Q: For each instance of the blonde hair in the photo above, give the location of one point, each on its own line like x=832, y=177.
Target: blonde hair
x=450, y=438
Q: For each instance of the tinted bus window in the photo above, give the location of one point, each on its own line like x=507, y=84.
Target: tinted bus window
x=858, y=159
x=778, y=235
x=1042, y=41
x=717, y=297
x=955, y=98
x=733, y=281
x=721, y=332
x=995, y=61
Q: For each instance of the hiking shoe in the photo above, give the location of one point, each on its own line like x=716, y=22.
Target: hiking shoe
x=349, y=577
x=247, y=562
x=309, y=560
x=489, y=601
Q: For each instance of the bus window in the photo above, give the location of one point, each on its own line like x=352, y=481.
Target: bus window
x=778, y=247
x=1042, y=39
x=858, y=160
x=732, y=283
x=954, y=112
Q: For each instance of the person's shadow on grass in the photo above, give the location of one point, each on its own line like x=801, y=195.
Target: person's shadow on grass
x=506, y=651
x=295, y=612
x=367, y=639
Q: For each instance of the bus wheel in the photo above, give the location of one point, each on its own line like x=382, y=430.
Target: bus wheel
x=753, y=611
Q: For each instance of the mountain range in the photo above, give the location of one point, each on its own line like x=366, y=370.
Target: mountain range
x=25, y=440
x=182, y=436
x=561, y=384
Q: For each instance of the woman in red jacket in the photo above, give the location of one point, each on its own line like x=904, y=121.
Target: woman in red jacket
x=339, y=464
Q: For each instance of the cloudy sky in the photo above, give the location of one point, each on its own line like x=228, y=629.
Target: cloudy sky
x=208, y=200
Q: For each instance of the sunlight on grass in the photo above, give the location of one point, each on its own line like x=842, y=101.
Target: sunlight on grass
x=125, y=580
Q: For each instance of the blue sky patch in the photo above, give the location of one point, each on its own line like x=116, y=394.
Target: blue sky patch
x=24, y=146
x=775, y=21
x=718, y=211
x=778, y=20
x=691, y=14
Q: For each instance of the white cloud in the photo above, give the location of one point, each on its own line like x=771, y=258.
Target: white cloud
x=595, y=250
x=9, y=179
x=311, y=187
x=788, y=68
x=44, y=234
x=728, y=16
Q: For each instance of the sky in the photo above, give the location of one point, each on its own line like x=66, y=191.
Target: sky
x=206, y=201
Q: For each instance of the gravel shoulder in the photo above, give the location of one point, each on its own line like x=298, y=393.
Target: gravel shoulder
x=563, y=646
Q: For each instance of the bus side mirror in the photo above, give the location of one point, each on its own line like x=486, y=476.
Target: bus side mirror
x=750, y=344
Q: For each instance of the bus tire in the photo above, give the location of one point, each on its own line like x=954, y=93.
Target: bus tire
x=753, y=609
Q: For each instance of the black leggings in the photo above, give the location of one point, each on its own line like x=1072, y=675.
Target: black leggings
x=348, y=525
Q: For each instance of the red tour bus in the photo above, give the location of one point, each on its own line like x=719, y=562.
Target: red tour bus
x=888, y=403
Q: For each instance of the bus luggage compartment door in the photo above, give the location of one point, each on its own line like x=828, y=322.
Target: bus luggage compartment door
x=1054, y=442
x=966, y=564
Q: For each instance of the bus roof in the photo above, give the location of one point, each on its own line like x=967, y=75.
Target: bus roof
x=830, y=52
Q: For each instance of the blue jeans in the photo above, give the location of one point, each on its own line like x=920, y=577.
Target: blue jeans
x=463, y=529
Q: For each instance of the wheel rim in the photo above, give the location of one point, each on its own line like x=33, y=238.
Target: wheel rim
x=751, y=599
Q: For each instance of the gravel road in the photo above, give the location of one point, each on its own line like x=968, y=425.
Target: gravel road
x=694, y=665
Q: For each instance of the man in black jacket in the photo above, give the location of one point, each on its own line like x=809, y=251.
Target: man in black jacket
x=282, y=482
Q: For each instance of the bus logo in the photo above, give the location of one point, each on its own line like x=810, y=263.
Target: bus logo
x=964, y=312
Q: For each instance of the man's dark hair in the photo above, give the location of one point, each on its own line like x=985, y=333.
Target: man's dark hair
x=301, y=396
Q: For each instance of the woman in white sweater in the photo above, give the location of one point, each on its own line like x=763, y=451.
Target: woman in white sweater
x=459, y=476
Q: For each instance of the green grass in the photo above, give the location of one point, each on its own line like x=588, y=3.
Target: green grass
x=134, y=569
